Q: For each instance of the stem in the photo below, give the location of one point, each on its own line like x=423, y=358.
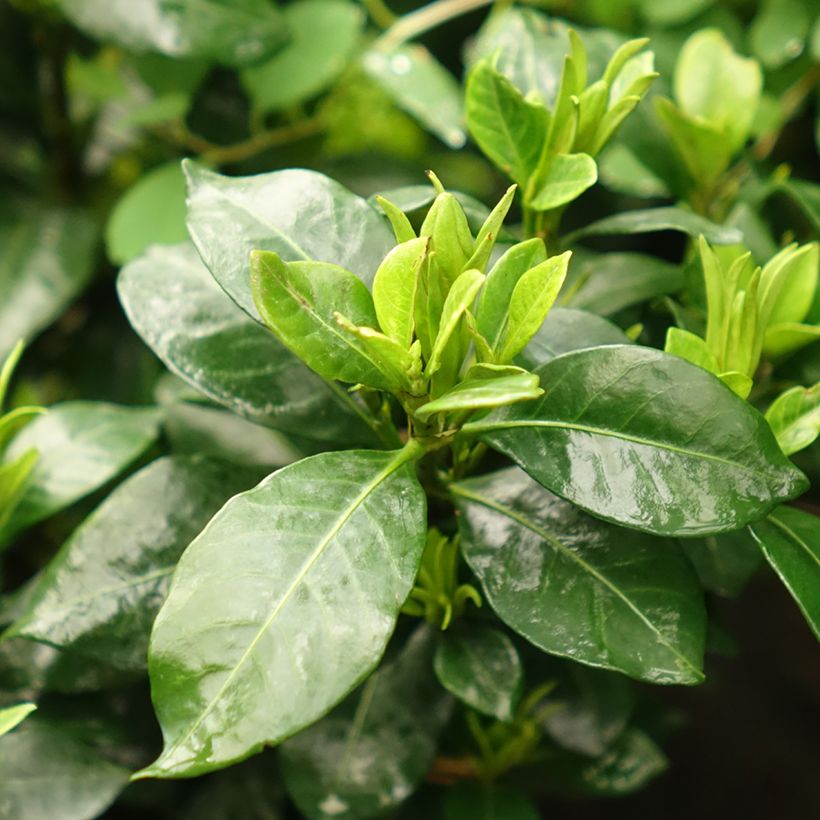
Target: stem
x=426, y=18
x=379, y=13
x=239, y=151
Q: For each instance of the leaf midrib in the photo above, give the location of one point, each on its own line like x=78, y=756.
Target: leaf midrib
x=559, y=546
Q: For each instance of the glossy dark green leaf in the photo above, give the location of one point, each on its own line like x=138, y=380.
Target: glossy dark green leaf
x=418, y=83
x=48, y=772
x=566, y=329
x=101, y=592
x=578, y=587
x=724, y=563
x=646, y=440
x=282, y=605
x=323, y=36
x=81, y=445
x=627, y=766
x=614, y=281
x=509, y=129
x=481, y=667
x=304, y=303
x=659, y=219
x=46, y=257
x=297, y=214
x=233, y=32
x=594, y=708
x=151, y=212
x=367, y=756
x=790, y=540
x=478, y=801
x=181, y=313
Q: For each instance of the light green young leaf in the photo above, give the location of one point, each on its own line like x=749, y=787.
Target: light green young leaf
x=738, y=383
x=480, y=666
x=788, y=337
x=82, y=445
x=394, y=289
x=794, y=417
x=572, y=585
x=564, y=118
x=299, y=302
x=323, y=36
x=566, y=177
x=688, y=346
x=621, y=57
x=533, y=296
x=797, y=267
x=485, y=240
x=712, y=82
x=326, y=549
x=778, y=33
x=402, y=228
x=14, y=476
x=476, y=394
x=591, y=107
x=509, y=129
x=491, y=313
x=790, y=540
x=460, y=298
x=14, y=715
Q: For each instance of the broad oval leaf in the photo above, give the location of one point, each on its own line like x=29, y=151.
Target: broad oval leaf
x=298, y=214
x=481, y=667
x=509, y=129
x=790, y=540
x=187, y=320
x=566, y=177
x=724, y=563
x=578, y=587
x=418, y=83
x=368, y=756
x=233, y=32
x=101, y=592
x=282, y=605
x=566, y=329
x=81, y=445
x=323, y=36
x=46, y=257
x=659, y=219
x=482, y=801
x=794, y=417
x=646, y=440
x=51, y=772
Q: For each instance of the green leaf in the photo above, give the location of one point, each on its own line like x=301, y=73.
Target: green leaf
x=187, y=320
x=402, y=227
x=299, y=302
x=799, y=273
x=420, y=85
x=621, y=170
x=724, y=563
x=671, y=12
x=717, y=85
x=367, y=756
x=658, y=219
x=282, y=605
x=232, y=32
x=476, y=394
x=151, y=212
x=298, y=214
x=46, y=258
x=532, y=297
x=565, y=330
x=14, y=476
x=323, y=36
x=788, y=337
x=594, y=709
x=508, y=129
x=580, y=588
x=486, y=801
x=99, y=595
x=566, y=177
x=794, y=417
x=480, y=666
x=779, y=31
x=14, y=715
x=646, y=440
x=490, y=230
x=394, y=289
x=626, y=767
x=790, y=540
x=49, y=772
x=692, y=348
x=82, y=445
x=491, y=312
